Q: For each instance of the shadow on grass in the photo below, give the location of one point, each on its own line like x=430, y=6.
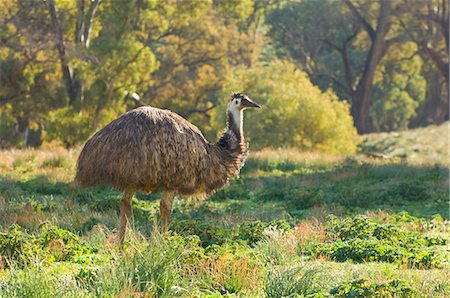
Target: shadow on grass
x=292, y=189
x=37, y=185
x=353, y=187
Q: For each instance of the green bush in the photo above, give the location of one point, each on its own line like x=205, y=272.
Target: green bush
x=51, y=243
x=211, y=233
x=254, y=231
x=62, y=245
x=61, y=123
x=294, y=111
x=363, y=240
x=363, y=288
x=410, y=191
x=19, y=247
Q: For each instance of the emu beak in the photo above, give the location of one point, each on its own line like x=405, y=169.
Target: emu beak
x=248, y=103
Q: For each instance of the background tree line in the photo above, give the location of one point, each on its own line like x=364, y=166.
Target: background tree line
x=69, y=67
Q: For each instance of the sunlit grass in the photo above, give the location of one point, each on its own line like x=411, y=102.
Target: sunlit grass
x=427, y=145
x=220, y=246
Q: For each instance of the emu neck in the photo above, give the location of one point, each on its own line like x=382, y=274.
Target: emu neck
x=235, y=123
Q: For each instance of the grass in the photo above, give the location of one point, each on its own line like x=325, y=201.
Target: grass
x=425, y=145
x=295, y=224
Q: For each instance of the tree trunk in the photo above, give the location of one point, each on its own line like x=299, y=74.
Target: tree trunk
x=67, y=76
x=378, y=48
x=89, y=22
x=435, y=108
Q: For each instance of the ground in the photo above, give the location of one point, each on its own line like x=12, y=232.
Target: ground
x=294, y=225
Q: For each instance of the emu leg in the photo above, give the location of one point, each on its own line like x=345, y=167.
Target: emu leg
x=125, y=213
x=165, y=208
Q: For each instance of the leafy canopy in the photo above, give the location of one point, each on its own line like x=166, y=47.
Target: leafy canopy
x=294, y=111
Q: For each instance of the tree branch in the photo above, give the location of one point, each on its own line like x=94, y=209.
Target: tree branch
x=187, y=113
x=62, y=53
x=436, y=58
x=90, y=20
x=361, y=19
x=335, y=80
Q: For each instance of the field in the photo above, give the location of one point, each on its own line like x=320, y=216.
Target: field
x=294, y=225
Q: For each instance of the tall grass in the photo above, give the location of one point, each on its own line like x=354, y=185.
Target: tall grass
x=258, y=237
x=294, y=282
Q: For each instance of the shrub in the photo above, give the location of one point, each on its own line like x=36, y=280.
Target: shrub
x=411, y=191
x=254, y=231
x=211, y=233
x=361, y=239
x=19, y=247
x=296, y=113
x=62, y=244
x=363, y=288
x=61, y=123
x=51, y=243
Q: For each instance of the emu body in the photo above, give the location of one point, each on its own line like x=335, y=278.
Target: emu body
x=149, y=149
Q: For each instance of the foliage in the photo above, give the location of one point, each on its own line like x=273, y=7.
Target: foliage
x=363, y=288
x=363, y=240
x=398, y=91
x=249, y=232
x=62, y=121
x=68, y=73
x=296, y=113
x=336, y=52
x=254, y=231
x=243, y=241
x=174, y=54
x=20, y=248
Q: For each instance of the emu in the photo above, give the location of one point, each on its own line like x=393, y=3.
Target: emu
x=149, y=149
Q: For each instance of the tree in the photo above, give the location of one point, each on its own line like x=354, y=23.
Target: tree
x=27, y=68
x=83, y=33
x=66, y=65
x=379, y=44
x=427, y=25
x=357, y=34
x=294, y=112
x=399, y=88
x=194, y=62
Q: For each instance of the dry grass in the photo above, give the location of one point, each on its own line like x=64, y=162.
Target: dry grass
x=228, y=273
x=310, y=230
x=238, y=268
x=56, y=162
x=296, y=156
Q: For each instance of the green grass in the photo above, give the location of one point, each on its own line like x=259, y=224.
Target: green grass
x=295, y=224
x=423, y=145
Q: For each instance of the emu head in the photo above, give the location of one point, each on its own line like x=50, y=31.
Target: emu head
x=241, y=102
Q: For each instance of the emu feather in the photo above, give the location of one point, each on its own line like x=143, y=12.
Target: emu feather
x=150, y=149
